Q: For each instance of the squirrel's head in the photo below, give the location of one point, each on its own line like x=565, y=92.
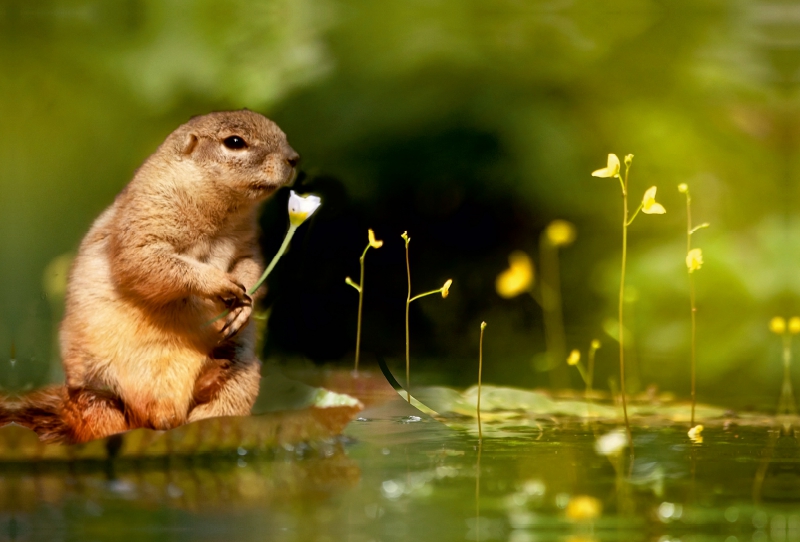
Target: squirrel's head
x=241, y=150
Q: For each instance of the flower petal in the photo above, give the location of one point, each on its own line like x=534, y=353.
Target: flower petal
x=374, y=243
x=649, y=195
x=654, y=209
x=301, y=207
x=611, y=169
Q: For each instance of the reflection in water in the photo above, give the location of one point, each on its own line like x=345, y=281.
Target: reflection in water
x=392, y=480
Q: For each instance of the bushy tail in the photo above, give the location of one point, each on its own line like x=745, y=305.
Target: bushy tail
x=69, y=416
x=41, y=411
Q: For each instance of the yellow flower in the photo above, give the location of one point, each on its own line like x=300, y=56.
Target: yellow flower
x=694, y=260
x=574, y=357
x=611, y=170
x=405, y=237
x=695, y=434
x=649, y=205
x=583, y=507
x=518, y=278
x=777, y=325
x=596, y=344
x=560, y=233
x=446, y=288
x=794, y=325
x=374, y=243
x=683, y=188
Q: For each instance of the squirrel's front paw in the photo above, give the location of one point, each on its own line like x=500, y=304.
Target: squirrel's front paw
x=236, y=320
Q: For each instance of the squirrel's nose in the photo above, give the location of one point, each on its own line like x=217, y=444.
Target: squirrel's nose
x=292, y=158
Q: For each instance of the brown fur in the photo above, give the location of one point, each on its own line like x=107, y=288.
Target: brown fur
x=177, y=247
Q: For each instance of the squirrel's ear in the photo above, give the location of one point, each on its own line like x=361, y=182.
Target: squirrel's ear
x=189, y=143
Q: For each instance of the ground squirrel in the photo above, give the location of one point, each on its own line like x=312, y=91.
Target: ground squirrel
x=177, y=247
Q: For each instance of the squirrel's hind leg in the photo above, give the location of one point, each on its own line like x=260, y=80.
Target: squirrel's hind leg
x=226, y=387
x=93, y=414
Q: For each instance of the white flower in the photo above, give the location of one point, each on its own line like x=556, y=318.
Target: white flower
x=301, y=207
x=611, y=443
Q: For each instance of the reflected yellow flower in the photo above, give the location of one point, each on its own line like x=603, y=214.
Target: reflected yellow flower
x=695, y=434
x=694, y=260
x=611, y=169
x=794, y=325
x=584, y=507
x=446, y=288
x=374, y=243
x=574, y=357
x=560, y=233
x=518, y=278
x=777, y=325
x=649, y=204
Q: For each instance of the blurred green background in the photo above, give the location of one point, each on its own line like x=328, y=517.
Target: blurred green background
x=470, y=124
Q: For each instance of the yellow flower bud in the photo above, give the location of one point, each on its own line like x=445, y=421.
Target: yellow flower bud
x=777, y=325
x=483, y=326
x=694, y=260
x=683, y=188
x=374, y=243
x=596, y=344
x=405, y=237
x=518, y=278
x=560, y=233
x=446, y=288
x=574, y=357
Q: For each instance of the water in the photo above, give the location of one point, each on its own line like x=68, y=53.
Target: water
x=388, y=479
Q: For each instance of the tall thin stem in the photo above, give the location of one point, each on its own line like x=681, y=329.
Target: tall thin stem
x=408, y=342
x=692, y=304
x=622, y=301
x=787, y=404
x=360, y=306
x=480, y=375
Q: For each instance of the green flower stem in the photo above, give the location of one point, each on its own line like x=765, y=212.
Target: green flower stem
x=622, y=302
x=689, y=232
x=634, y=214
x=267, y=271
x=408, y=342
x=278, y=255
x=480, y=375
x=360, y=306
x=426, y=294
x=787, y=404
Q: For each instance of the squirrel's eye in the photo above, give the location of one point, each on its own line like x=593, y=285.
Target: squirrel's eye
x=234, y=142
